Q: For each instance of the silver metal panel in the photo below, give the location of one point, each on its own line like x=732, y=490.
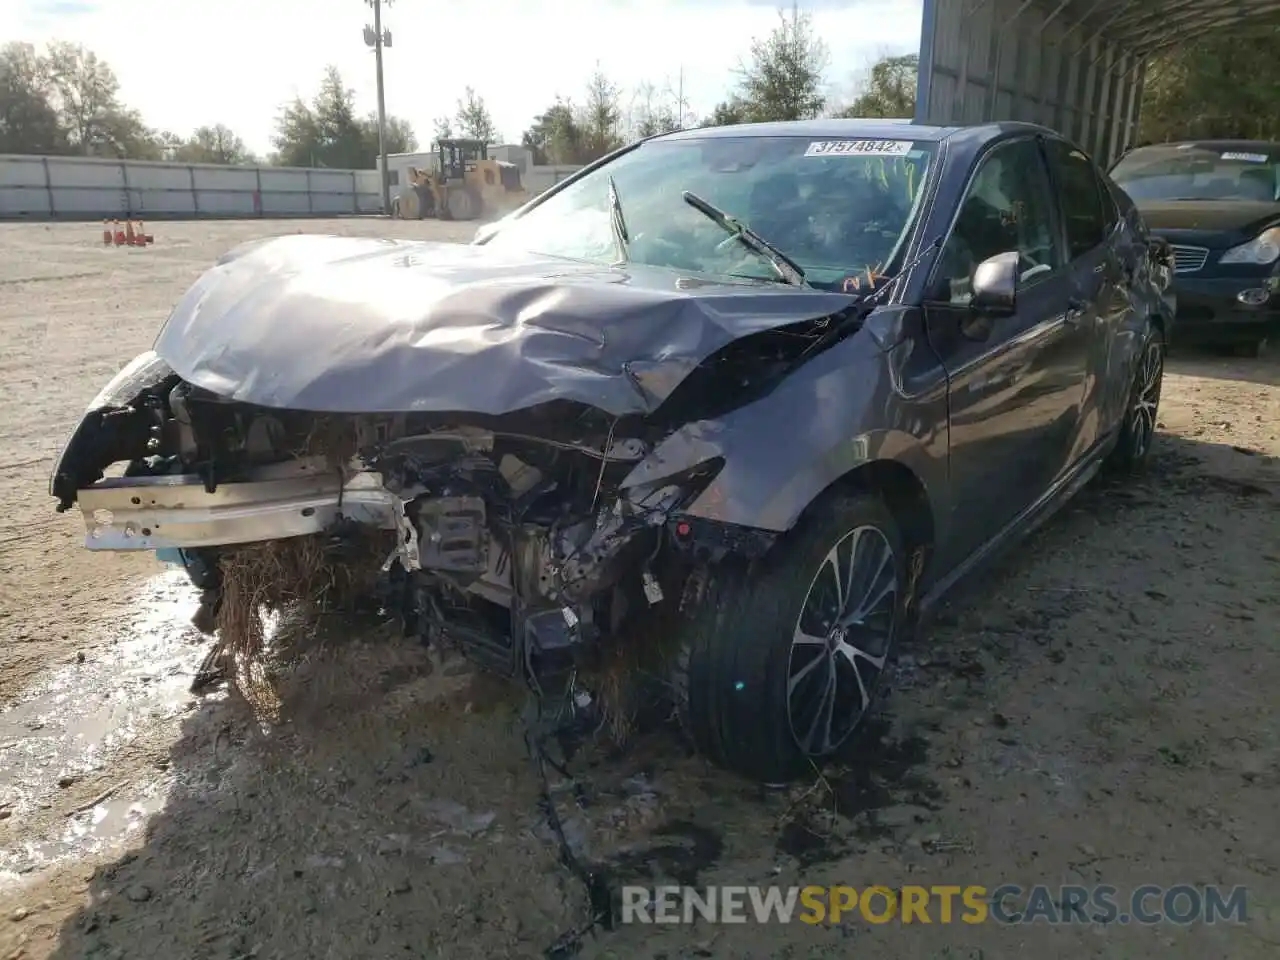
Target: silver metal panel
x=22, y=172
x=151, y=513
x=24, y=201
x=1076, y=66
x=89, y=188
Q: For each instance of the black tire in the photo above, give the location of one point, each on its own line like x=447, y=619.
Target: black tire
x=202, y=568
x=463, y=204
x=1142, y=411
x=736, y=659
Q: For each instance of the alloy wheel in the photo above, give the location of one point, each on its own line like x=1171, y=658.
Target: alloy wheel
x=842, y=640
x=1146, y=397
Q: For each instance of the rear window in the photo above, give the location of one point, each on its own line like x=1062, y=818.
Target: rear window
x=1201, y=172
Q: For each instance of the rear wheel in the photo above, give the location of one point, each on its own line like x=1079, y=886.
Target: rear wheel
x=779, y=667
x=1138, y=429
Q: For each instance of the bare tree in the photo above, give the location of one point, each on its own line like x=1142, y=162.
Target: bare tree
x=215, y=144
x=442, y=129
x=602, y=116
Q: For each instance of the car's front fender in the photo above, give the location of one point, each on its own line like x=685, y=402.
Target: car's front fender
x=843, y=409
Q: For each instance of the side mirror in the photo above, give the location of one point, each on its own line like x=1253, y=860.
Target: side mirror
x=995, y=285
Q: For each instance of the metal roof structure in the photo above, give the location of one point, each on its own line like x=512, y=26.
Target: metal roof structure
x=1074, y=65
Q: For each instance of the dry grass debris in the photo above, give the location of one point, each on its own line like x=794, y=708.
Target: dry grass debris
x=299, y=577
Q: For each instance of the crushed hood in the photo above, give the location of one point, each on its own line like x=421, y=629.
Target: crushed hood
x=357, y=325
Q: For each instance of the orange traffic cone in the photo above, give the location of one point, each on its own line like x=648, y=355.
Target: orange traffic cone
x=119, y=234
x=143, y=237
x=129, y=238
x=106, y=232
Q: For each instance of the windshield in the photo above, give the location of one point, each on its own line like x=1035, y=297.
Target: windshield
x=840, y=209
x=1200, y=172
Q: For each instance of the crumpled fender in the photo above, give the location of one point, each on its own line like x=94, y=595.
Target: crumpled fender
x=782, y=451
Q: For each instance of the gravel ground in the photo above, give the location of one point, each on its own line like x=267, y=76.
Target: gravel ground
x=1097, y=710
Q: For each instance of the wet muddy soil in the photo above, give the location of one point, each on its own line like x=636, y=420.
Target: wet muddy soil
x=1098, y=709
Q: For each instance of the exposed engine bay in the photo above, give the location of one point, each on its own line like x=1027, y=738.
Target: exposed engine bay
x=515, y=538
x=539, y=439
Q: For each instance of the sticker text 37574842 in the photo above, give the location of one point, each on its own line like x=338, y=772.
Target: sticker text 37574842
x=858, y=148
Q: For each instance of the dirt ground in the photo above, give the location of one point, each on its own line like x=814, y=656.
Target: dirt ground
x=1100, y=709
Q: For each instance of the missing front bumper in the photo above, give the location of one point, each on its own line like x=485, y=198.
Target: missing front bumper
x=157, y=513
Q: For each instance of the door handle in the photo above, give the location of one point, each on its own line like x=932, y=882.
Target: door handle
x=1075, y=311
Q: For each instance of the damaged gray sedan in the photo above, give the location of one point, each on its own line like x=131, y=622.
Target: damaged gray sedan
x=757, y=394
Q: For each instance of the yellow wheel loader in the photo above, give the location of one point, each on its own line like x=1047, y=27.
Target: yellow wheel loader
x=465, y=185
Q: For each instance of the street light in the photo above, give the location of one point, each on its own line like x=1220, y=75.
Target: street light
x=377, y=38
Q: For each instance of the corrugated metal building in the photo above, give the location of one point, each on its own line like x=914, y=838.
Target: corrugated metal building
x=1076, y=66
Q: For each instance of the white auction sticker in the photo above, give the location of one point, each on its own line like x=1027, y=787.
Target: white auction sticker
x=859, y=148
x=1247, y=157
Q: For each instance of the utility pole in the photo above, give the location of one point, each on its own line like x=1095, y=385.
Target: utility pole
x=378, y=38
x=682, y=108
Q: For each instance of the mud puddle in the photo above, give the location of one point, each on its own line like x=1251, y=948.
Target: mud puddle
x=128, y=683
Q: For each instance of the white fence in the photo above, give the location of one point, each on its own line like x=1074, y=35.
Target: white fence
x=541, y=177
x=81, y=188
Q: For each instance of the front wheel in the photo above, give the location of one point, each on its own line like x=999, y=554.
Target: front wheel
x=1138, y=429
x=780, y=666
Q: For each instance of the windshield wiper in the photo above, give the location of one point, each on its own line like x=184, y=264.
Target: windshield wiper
x=787, y=269
x=621, y=238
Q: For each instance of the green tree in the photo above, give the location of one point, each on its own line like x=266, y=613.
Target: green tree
x=297, y=136
x=28, y=119
x=728, y=112
x=473, y=118
x=342, y=141
x=1222, y=85
x=555, y=136
x=889, y=90
x=328, y=133
x=783, y=79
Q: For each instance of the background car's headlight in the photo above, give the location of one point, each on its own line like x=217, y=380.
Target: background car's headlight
x=1262, y=249
x=144, y=370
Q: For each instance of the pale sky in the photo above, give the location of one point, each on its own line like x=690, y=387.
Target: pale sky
x=184, y=63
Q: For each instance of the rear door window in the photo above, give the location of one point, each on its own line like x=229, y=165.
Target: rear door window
x=1087, y=214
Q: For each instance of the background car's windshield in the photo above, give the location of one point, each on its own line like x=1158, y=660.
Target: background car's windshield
x=839, y=208
x=1191, y=172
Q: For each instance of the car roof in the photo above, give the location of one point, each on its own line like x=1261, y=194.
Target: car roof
x=874, y=129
